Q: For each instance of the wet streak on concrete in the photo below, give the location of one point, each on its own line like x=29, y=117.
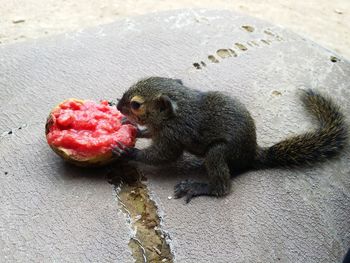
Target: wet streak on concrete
x=148, y=242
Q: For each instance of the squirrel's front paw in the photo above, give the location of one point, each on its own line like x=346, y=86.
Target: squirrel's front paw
x=144, y=133
x=121, y=151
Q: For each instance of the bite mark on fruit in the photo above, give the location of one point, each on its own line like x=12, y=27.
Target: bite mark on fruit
x=148, y=242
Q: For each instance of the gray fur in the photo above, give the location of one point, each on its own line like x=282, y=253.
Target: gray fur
x=220, y=130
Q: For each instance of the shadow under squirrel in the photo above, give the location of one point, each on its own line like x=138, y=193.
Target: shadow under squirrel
x=220, y=130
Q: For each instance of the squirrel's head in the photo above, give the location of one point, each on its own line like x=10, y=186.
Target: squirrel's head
x=150, y=101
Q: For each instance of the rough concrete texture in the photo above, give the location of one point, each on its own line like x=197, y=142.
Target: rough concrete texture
x=54, y=212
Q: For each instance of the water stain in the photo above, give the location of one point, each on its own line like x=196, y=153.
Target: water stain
x=149, y=242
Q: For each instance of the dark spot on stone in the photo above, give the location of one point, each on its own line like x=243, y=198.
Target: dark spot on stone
x=6, y=173
x=197, y=66
x=269, y=33
x=334, y=59
x=276, y=93
x=17, y=21
x=203, y=64
x=265, y=41
x=278, y=38
x=213, y=59
x=10, y=132
x=232, y=52
x=241, y=46
x=248, y=28
x=223, y=53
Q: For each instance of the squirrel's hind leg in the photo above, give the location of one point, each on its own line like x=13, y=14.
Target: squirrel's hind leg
x=219, y=177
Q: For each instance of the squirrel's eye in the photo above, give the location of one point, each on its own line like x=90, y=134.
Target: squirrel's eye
x=135, y=105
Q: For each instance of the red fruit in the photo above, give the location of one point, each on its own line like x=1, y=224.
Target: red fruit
x=84, y=132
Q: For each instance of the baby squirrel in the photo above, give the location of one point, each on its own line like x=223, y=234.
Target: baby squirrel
x=220, y=130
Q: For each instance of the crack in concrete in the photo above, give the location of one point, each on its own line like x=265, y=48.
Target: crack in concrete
x=11, y=131
x=148, y=242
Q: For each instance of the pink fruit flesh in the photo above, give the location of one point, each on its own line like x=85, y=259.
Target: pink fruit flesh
x=88, y=128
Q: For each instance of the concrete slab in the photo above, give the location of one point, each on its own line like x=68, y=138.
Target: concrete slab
x=55, y=212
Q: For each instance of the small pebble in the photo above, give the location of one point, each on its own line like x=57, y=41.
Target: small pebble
x=170, y=197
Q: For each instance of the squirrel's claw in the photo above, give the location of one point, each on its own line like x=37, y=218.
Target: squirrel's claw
x=125, y=120
x=112, y=103
x=190, y=189
x=121, y=151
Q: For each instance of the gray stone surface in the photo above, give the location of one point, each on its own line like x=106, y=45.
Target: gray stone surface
x=54, y=212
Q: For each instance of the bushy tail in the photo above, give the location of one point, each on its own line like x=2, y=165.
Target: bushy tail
x=323, y=143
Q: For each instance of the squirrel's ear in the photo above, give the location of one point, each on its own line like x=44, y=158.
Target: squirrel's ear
x=166, y=104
